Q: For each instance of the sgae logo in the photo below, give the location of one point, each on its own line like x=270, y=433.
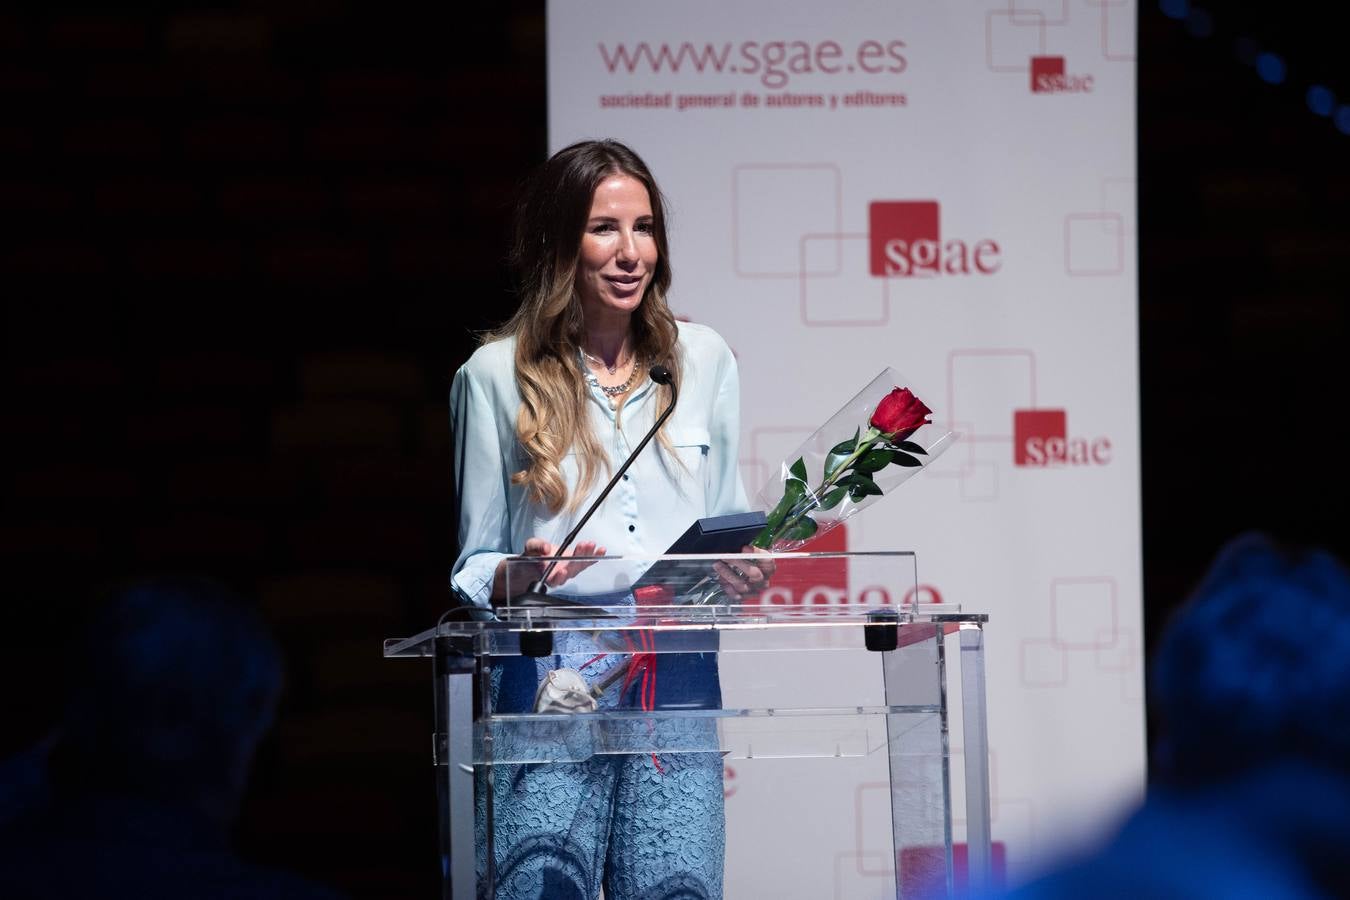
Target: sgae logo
x=1041, y=439
x=1048, y=77
x=825, y=581
x=906, y=241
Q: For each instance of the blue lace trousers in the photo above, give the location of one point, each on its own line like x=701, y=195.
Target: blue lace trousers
x=641, y=826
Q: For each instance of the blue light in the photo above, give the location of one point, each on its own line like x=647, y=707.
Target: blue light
x=1175, y=9
x=1321, y=100
x=1270, y=67
x=1343, y=119
x=1200, y=23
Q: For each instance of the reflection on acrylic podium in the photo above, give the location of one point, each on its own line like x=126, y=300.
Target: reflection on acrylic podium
x=809, y=721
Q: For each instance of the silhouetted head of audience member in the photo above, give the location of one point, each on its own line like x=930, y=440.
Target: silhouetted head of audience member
x=1255, y=667
x=176, y=682
x=1250, y=791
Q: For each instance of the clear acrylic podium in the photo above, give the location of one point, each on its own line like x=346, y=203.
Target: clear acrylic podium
x=817, y=706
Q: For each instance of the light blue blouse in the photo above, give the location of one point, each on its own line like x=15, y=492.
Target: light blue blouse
x=647, y=510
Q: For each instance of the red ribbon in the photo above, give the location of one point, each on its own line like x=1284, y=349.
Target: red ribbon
x=645, y=663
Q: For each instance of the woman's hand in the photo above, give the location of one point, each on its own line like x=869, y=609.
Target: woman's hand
x=563, y=570
x=536, y=546
x=742, y=577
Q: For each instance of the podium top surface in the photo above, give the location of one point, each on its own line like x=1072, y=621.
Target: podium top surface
x=694, y=593
x=776, y=623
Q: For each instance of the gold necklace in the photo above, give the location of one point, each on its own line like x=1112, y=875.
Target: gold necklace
x=618, y=389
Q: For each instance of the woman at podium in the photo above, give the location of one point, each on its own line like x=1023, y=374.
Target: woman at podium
x=541, y=414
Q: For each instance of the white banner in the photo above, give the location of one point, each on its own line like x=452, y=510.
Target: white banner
x=947, y=188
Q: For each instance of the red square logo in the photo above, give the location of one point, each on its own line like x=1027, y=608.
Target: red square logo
x=900, y=223
x=923, y=870
x=1039, y=434
x=1043, y=72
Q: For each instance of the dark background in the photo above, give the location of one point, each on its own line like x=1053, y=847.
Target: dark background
x=245, y=248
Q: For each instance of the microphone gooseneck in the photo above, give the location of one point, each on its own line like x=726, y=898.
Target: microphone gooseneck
x=537, y=593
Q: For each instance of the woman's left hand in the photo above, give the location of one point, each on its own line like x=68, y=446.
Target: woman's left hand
x=743, y=577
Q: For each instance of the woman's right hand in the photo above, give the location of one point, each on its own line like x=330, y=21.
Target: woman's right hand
x=743, y=577
x=539, y=547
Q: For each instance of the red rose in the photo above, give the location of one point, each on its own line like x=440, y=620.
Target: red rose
x=899, y=414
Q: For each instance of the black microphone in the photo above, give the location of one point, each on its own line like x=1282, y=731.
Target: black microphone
x=537, y=593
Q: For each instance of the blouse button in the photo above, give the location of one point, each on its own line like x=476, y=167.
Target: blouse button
x=632, y=528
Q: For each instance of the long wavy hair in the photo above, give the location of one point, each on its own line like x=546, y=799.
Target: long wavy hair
x=549, y=326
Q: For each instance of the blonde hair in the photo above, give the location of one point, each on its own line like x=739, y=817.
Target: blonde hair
x=549, y=327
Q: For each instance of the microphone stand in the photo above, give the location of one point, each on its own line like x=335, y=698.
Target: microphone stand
x=536, y=595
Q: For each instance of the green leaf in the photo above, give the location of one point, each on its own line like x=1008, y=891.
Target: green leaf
x=910, y=447
x=806, y=502
x=792, y=493
x=833, y=462
x=904, y=459
x=844, y=448
x=842, y=451
x=860, y=484
x=798, y=470
x=801, y=529
x=861, y=489
x=875, y=460
x=833, y=498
